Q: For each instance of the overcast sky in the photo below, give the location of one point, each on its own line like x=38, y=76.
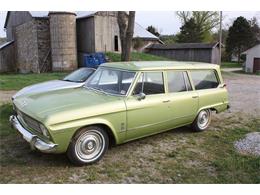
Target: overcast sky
x=165, y=21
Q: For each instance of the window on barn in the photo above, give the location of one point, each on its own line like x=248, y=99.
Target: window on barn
x=116, y=43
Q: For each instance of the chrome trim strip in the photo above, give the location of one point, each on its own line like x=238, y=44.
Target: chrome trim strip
x=35, y=142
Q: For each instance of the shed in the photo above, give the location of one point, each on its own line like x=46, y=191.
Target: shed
x=197, y=52
x=252, y=63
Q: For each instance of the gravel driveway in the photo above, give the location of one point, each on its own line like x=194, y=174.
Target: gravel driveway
x=244, y=93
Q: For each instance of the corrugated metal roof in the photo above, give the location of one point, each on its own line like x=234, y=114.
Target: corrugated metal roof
x=185, y=46
x=6, y=44
x=139, y=31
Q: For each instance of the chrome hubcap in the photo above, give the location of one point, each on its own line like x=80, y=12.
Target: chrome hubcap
x=89, y=146
x=203, y=119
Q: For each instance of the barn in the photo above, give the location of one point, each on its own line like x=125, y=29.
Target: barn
x=55, y=41
x=252, y=63
x=198, y=52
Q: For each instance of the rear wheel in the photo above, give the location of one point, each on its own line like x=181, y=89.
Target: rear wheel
x=202, y=121
x=88, y=145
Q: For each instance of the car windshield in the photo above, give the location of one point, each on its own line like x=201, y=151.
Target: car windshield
x=111, y=81
x=80, y=75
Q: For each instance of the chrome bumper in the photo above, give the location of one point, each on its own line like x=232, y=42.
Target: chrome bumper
x=35, y=142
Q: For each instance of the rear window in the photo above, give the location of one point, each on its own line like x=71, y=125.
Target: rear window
x=204, y=79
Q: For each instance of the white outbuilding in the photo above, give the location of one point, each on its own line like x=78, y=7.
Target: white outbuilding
x=252, y=63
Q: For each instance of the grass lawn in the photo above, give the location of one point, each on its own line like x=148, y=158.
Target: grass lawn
x=18, y=81
x=177, y=156
x=231, y=65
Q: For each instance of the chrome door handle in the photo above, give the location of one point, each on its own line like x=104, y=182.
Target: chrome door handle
x=195, y=96
x=165, y=101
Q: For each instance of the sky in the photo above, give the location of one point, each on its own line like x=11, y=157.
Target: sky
x=165, y=21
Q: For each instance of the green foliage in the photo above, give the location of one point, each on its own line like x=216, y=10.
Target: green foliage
x=153, y=30
x=168, y=39
x=137, y=43
x=18, y=81
x=240, y=37
x=135, y=56
x=230, y=65
x=203, y=22
x=190, y=33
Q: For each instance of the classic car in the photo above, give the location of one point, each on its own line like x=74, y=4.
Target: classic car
x=75, y=79
x=120, y=102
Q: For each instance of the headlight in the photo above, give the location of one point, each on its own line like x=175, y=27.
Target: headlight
x=44, y=131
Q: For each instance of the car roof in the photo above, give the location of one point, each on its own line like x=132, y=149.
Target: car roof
x=159, y=65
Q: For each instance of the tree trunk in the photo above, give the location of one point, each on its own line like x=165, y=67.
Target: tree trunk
x=126, y=30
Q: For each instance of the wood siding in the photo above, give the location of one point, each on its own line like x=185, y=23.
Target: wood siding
x=7, y=60
x=210, y=55
x=86, y=35
x=16, y=18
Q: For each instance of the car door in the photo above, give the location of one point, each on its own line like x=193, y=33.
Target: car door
x=183, y=100
x=147, y=115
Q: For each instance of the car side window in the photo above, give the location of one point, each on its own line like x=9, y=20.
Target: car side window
x=204, y=79
x=178, y=81
x=150, y=83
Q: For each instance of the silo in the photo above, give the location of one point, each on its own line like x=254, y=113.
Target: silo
x=63, y=40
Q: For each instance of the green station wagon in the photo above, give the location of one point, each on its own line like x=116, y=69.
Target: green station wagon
x=120, y=102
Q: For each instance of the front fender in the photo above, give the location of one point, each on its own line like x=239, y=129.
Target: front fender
x=62, y=133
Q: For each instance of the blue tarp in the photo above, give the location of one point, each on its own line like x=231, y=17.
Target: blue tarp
x=93, y=60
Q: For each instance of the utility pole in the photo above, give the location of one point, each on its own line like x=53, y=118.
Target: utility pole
x=220, y=36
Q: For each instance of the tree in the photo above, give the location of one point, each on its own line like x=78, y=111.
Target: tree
x=168, y=39
x=190, y=33
x=205, y=21
x=153, y=30
x=255, y=29
x=240, y=37
x=126, y=24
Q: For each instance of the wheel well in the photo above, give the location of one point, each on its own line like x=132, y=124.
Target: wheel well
x=111, y=137
x=112, y=140
x=214, y=110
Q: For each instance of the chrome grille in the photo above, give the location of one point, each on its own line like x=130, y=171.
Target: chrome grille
x=30, y=122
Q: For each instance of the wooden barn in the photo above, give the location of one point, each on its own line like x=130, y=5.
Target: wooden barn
x=198, y=52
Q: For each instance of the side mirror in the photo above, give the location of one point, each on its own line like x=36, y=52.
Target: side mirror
x=223, y=85
x=140, y=96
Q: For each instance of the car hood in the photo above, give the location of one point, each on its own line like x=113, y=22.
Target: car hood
x=54, y=107
x=47, y=86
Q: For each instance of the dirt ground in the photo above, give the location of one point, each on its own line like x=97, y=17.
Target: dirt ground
x=177, y=156
x=5, y=96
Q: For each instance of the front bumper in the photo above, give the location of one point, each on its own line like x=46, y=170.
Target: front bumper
x=34, y=140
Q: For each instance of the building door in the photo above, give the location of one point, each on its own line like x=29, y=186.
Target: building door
x=116, y=43
x=256, y=65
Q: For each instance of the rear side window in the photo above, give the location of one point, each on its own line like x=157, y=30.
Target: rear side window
x=204, y=79
x=178, y=81
x=150, y=83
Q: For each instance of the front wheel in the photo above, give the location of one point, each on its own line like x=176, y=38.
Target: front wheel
x=88, y=146
x=202, y=121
